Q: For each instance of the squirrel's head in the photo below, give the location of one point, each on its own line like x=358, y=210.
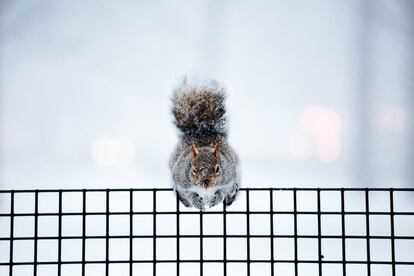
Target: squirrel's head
x=205, y=168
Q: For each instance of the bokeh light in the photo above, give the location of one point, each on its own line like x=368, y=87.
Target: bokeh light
x=319, y=133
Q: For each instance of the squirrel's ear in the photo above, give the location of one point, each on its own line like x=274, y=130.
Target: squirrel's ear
x=194, y=150
x=216, y=150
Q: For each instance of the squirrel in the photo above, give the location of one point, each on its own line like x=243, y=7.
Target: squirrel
x=204, y=167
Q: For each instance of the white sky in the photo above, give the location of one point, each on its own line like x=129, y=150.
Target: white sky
x=77, y=74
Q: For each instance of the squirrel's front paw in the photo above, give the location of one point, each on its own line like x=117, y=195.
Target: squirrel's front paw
x=217, y=198
x=183, y=200
x=198, y=202
x=230, y=199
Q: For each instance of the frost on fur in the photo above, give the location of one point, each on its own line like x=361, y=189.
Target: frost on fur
x=198, y=107
x=204, y=168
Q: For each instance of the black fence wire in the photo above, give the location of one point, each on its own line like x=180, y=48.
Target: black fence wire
x=268, y=231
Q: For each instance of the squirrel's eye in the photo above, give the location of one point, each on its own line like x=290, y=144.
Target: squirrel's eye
x=194, y=171
x=217, y=169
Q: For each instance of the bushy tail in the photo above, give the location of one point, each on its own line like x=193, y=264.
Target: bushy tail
x=198, y=108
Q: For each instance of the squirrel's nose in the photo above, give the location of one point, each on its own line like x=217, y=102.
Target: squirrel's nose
x=205, y=183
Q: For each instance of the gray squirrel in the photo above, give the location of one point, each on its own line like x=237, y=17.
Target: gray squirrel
x=204, y=168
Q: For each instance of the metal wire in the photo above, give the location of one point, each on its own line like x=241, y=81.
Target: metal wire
x=271, y=211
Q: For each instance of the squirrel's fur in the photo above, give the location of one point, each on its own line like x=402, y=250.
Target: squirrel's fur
x=198, y=108
x=204, y=168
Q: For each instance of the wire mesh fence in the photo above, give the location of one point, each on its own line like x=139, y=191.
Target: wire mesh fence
x=265, y=232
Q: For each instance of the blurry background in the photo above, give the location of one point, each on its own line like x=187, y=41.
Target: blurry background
x=320, y=93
